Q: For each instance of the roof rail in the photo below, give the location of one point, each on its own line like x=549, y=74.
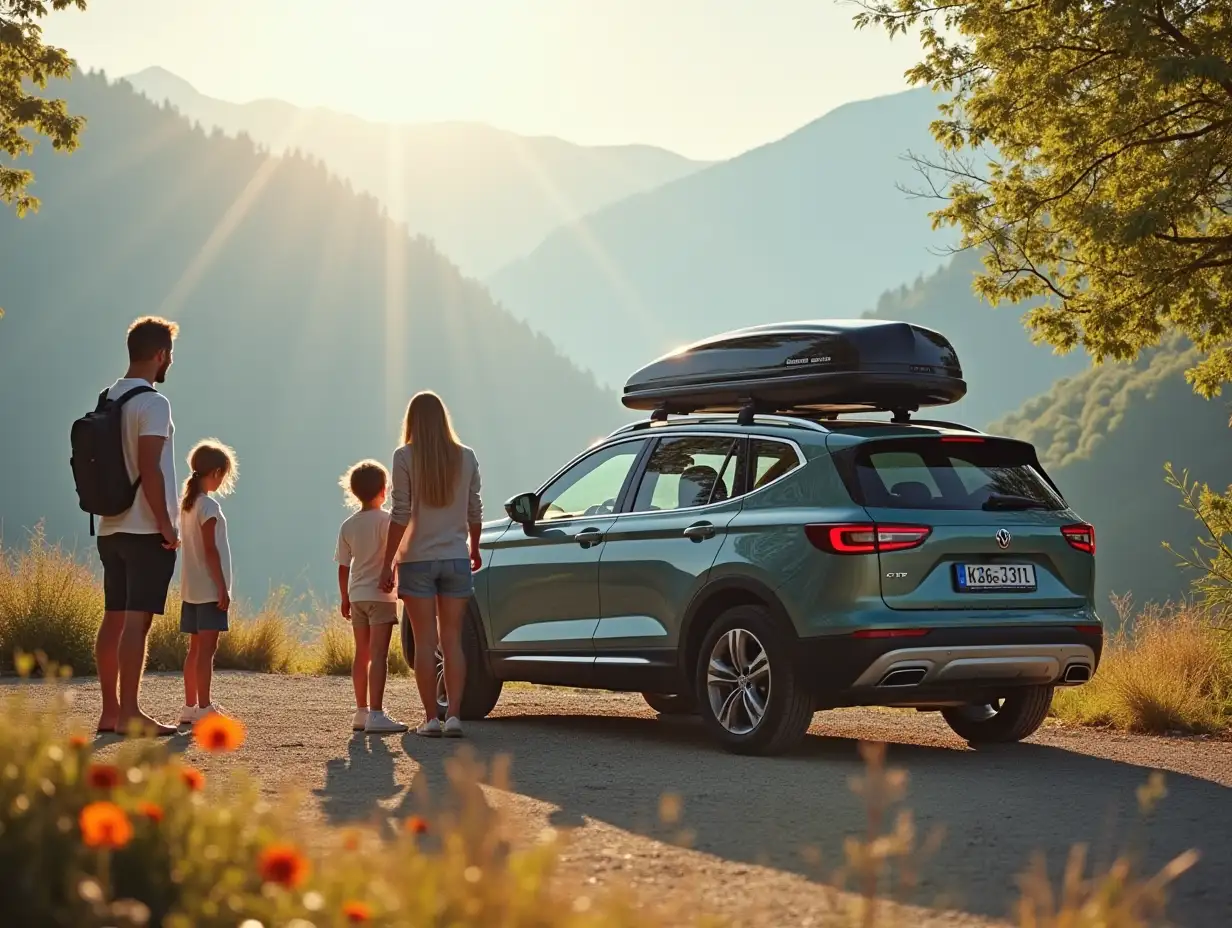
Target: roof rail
x=723, y=418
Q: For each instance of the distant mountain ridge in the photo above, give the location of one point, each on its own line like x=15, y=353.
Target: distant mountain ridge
x=485, y=196
x=308, y=318
x=814, y=225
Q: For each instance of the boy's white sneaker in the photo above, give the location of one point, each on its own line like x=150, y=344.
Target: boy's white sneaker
x=188, y=715
x=381, y=724
x=453, y=727
x=360, y=722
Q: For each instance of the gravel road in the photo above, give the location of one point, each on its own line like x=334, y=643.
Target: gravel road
x=598, y=763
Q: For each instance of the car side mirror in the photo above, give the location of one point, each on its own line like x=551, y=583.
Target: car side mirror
x=522, y=508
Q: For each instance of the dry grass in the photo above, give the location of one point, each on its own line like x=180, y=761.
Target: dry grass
x=1169, y=669
x=51, y=603
x=335, y=650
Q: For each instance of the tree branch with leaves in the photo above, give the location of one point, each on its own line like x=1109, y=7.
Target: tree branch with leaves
x=1108, y=190
x=26, y=64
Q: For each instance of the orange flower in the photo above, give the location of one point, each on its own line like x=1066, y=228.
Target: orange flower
x=193, y=778
x=357, y=912
x=283, y=864
x=151, y=810
x=77, y=741
x=104, y=825
x=103, y=776
x=416, y=825
x=350, y=840
x=218, y=734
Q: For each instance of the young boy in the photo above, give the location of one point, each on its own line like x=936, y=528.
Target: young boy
x=373, y=614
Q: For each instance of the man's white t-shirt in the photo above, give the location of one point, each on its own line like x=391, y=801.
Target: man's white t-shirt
x=145, y=415
x=361, y=546
x=196, y=583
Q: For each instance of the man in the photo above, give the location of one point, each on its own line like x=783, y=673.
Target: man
x=138, y=547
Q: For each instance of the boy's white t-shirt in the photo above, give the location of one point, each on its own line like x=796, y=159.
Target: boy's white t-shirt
x=148, y=414
x=196, y=583
x=361, y=546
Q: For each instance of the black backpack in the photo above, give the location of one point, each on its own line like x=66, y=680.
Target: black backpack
x=99, y=472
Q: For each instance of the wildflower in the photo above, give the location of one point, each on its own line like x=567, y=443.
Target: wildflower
x=357, y=912
x=151, y=810
x=350, y=840
x=218, y=734
x=104, y=825
x=193, y=778
x=283, y=864
x=103, y=776
x=416, y=825
x=77, y=741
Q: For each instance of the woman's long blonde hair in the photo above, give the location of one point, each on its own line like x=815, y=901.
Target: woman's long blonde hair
x=436, y=452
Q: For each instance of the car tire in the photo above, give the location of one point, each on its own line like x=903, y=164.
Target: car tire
x=483, y=690
x=728, y=711
x=1018, y=716
x=675, y=704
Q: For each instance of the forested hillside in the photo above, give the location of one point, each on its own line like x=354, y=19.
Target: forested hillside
x=308, y=318
x=1105, y=436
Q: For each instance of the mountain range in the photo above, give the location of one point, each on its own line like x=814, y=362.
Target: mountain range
x=483, y=195
x=818, y=224
x=308, y=318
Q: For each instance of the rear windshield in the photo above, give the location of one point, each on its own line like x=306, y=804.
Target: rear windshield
x=947, y=473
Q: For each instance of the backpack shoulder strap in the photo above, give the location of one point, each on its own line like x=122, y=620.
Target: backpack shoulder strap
x=135, y=391
x=102, y=400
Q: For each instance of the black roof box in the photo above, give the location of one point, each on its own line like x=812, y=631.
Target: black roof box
x=820, y=367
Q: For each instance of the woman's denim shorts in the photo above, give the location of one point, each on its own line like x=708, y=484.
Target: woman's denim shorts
x=429, y=579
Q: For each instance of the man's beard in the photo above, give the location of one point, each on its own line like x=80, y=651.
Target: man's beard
x=161, y=376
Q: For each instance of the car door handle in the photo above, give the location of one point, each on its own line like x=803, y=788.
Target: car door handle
x=699, y=531
x=588, y=537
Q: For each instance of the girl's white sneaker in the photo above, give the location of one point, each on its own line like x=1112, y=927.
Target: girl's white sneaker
x=360, y=722
x=453, y=727
x=381, y=724
x=188, y=715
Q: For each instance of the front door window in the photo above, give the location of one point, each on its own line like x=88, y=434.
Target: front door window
x=592, y=486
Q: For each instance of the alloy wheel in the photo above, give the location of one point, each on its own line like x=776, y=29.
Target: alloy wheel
x=738, y=681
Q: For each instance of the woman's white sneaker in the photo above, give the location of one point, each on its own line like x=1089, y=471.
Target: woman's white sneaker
x=360, y=722
x=188, y=715
x=381, y=724
x=453, y=727
x=429, y=729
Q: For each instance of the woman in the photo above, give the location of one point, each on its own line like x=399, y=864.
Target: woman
x=436, y=493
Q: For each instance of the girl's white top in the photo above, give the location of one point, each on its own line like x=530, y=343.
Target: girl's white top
x=196, y=583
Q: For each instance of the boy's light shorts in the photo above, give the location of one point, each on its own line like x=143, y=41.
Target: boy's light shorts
x=374, y=613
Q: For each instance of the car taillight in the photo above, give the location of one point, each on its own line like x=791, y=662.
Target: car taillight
x=1081, y=537
x=1091, y=629
x=866, y=538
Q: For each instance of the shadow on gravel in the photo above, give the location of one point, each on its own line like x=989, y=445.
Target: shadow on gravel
x=997, y=806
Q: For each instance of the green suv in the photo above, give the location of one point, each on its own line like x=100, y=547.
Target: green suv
x=755, y=569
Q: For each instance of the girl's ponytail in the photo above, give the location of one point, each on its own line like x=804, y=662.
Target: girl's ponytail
x=192, y=491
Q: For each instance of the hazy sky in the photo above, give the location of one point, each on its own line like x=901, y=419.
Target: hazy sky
x=708, y=78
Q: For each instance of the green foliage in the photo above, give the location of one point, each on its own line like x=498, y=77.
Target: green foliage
x=1110, y=193
x=334, y=653
x=25, y=60
x=1212, y=558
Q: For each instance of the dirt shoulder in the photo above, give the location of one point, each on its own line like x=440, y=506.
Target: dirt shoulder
x=597, y=764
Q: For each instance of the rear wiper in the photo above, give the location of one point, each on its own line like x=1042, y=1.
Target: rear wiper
x=1009, y=501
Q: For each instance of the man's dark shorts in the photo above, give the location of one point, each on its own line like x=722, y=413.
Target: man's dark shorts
x=137, y=572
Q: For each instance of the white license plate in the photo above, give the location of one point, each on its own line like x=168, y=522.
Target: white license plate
x=973, y=578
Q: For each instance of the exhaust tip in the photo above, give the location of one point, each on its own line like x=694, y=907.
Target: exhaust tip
x=907, y=676
x=1077, y=673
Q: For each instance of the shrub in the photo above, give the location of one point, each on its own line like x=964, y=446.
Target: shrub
x=1169, y=668
x=49, y=602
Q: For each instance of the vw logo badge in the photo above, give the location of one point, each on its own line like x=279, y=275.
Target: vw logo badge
x=1003, y=538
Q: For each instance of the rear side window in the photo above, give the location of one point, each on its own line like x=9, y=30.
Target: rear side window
x=687, y=472
x=958, y=473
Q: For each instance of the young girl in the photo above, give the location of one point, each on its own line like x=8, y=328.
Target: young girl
x=205, y=582
x=372, y=612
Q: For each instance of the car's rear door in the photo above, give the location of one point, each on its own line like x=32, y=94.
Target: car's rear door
x=979, y=525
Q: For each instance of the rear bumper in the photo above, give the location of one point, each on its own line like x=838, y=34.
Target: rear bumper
x=946, y=665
